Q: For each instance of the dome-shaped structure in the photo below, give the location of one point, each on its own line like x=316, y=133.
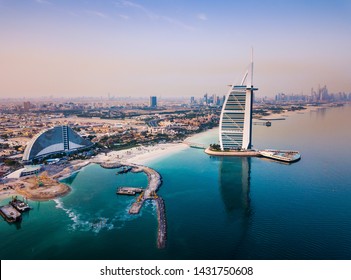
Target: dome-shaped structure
x=54, y=140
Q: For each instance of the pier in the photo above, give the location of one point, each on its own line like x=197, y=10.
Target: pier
x=129, y=190
x=136, y=206
x=149, y=193
x=265, y=123
x=272, y=119
x=154, y=182
x=195, y=145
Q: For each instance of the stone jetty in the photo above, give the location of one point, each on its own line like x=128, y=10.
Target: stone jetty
x=110, y=165
x=149, y=193
x=162, y=223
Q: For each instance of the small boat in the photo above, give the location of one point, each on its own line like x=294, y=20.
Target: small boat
x=281, y=155
x=124, y=170
x=19, y=205
x=268, y=123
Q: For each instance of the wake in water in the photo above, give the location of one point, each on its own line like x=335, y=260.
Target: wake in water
x=152, y=204
x=95, y=225
x=121, y=218
x=99, y=222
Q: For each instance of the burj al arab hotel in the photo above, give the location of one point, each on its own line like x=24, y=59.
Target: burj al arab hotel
x=235, y=127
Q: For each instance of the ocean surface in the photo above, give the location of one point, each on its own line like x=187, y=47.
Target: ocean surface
x=216, y=208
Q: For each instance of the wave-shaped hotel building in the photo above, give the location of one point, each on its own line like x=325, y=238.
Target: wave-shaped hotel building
x=55, y=140
x=235, y=126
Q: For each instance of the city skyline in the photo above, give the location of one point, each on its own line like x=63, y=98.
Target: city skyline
x=188, y=48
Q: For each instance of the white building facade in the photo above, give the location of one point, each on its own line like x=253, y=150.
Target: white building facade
x=235, y=127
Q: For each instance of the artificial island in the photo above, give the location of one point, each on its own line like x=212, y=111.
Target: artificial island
x=235, y=126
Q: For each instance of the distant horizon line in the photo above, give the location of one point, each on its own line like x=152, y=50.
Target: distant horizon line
x=111, y=97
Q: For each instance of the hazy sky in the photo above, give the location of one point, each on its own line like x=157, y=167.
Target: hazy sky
x=171, y=48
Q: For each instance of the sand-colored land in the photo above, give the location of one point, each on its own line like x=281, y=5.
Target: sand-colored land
x=287, y=114
x=5, y=193
x=141, y=154
x=42, y=187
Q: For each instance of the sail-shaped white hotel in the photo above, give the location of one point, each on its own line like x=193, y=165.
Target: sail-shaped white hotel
x=235, y=127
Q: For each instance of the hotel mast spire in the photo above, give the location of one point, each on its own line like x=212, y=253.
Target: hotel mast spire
x=251, y=68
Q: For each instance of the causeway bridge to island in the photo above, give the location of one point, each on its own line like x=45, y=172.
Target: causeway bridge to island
x=195, y=145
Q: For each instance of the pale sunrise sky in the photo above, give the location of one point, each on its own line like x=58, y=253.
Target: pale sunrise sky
x=171, y=48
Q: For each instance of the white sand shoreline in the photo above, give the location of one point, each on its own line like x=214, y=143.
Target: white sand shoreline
x=141, y=154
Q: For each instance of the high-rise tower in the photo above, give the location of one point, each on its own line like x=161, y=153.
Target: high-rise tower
x=153, y=102
x=235, y=127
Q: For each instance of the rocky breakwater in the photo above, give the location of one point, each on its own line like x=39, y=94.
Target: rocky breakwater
x=110, y=165
x=150, y=193
x=162, y=223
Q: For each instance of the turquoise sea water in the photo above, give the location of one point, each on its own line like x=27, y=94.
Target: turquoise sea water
x=217, y=208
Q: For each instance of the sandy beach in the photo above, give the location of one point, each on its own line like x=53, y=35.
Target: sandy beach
x=141, y=154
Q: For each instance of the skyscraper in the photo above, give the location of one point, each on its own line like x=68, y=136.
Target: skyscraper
x=153, y=102
x=235, y=127
x=205, y=99
x=26, y=106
